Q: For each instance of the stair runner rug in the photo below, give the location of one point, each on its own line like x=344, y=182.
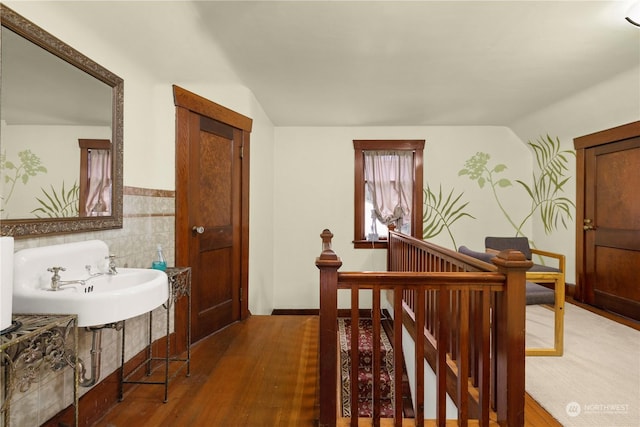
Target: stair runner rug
x=365, y=374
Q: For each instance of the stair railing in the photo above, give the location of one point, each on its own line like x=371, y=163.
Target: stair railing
x=473, y=323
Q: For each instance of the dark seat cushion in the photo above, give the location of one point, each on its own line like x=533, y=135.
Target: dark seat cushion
x=538, y=294
x=543, y=269
x=482, y=256
x=535, y=293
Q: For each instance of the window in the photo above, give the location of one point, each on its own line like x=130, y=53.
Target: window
x=95, y=177
x=388, y=189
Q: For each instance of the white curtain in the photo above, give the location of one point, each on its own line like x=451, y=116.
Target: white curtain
x=389, y=180
x=99, y=189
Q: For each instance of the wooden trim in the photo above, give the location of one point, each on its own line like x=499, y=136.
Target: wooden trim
x=181, y=212
x=363, y=313
x=295, y=312
x=365, y=244
x=86, y=145
x=95, y=144
x=245, y=214
x=579, y=291
x=615, y=134
x=148, y=192
x=147, y=215
x=198, y=104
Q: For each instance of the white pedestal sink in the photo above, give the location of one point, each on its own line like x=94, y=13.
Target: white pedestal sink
x=98, y=299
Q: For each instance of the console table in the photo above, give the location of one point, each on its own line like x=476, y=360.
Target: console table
x=37, y=342
x=179, y=282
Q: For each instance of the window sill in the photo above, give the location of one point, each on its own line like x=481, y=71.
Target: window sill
x=366, y=244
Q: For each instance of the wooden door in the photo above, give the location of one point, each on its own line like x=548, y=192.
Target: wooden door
x=608, y=231
x=212, y=211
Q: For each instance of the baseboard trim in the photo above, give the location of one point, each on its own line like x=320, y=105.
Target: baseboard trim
x=344, y=312
x=295, y=312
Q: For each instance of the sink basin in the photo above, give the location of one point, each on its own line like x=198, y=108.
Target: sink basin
x=102, y=298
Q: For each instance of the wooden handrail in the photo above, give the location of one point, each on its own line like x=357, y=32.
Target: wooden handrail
x=471, y=356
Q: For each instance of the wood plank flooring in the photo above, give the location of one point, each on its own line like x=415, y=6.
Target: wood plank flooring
x=260, y=372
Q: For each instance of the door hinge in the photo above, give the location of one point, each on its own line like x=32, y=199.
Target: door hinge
x=240, y=294
x=242, y=150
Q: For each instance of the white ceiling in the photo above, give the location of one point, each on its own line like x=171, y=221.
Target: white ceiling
x=421, y=62
x=339, y=63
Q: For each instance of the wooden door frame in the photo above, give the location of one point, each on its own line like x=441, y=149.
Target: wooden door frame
x=581, y=144
x=187, y=102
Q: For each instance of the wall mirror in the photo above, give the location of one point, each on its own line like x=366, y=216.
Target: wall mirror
x=54, y=100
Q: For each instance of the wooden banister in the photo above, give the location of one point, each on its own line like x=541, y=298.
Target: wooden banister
x=445, y=300
x=328, y=263
x=510, y=336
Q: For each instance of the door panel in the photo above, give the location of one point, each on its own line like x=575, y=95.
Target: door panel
x=215, y=206
x=212, y=211
x=611, y=226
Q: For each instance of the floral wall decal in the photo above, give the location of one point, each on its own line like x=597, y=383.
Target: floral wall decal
x=30, y=165
x=546, y=190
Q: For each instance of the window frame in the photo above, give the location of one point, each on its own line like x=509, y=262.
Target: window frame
x=86, y=145
x=359, y=146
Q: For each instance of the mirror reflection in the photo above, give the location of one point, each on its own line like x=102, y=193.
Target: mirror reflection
x=61, y=135
x=47, y=106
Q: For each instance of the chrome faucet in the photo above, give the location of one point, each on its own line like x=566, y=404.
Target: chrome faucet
x=57, y=284
x=112, y=264
x=55, y=279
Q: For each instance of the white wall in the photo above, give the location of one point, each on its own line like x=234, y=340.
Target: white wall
x=314, y=180
x=611, y=103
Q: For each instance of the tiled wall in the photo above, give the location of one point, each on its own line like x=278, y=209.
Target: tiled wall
x=149, y=220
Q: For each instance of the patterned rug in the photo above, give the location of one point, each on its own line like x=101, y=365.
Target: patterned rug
x=365, y=374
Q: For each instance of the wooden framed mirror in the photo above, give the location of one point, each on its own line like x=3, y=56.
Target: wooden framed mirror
x=53, y=96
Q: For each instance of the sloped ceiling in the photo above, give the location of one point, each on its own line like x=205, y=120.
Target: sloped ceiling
x=343, y=63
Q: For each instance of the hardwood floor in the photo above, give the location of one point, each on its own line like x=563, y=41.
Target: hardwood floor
x=260, y=372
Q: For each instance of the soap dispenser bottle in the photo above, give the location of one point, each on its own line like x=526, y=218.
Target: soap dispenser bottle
x=160, y=262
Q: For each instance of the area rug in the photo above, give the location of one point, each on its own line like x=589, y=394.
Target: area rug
x=597, y=380
x=365, y=374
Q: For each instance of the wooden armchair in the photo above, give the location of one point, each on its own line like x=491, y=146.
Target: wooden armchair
x=540, y=274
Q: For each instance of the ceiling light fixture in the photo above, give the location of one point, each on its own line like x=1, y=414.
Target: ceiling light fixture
x=633, y=15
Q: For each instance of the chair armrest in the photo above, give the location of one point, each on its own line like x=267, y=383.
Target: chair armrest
x=547, y=254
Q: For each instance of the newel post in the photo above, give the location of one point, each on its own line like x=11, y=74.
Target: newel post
x=328, y=263
x=510, y=338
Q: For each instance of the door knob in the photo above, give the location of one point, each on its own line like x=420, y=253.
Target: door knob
x=588, y=225
x=197, y=229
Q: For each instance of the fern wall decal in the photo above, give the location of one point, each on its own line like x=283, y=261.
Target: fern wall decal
x=58, y=204
x=441, y=212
